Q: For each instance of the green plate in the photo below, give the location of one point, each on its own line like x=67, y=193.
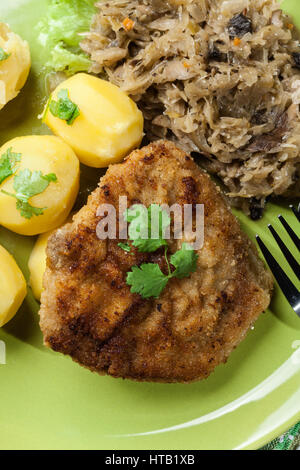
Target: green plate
x=49, y=402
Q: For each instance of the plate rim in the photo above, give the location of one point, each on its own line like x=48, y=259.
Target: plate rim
x=271, y=435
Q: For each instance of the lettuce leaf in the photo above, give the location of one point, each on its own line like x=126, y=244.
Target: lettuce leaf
x=70, y=62
x=59, y=30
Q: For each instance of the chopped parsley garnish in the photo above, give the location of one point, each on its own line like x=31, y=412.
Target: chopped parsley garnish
x=185, y=261
x=124, y=247
x=64, y=108
x=144, y=222
x=3, y=55
x=148, y=280
x=26, y=185
x=8, y=164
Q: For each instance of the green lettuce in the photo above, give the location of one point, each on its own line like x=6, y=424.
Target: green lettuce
x=59, y=30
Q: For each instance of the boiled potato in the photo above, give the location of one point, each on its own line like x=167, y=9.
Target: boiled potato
x=47, y=154
x=12, y=287
x=14, y=66
x=37, y=264
x=109, y=125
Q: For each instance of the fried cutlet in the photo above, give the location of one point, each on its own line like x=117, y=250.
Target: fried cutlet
x=89, y=313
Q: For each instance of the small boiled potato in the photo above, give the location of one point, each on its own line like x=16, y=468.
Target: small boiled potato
x=12, y=287
x=109, y=126
x=47, y=154
x=37, y=264
x=15, y=68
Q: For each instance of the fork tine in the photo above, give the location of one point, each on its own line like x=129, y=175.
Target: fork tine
x=285, y=284
x=290, y=231
x=288, y=255
x=296, y=211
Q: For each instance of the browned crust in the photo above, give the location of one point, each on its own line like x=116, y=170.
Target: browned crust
x=89, y=313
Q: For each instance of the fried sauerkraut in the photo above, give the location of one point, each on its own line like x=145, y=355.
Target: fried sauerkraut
x=220, y=77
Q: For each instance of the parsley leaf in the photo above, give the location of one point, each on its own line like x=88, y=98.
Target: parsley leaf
x=51, y=177
x=124, y=247
x=150, y=281
x=137, y=216
x=26, y=185
x=3, y=55
x=148, y=246
x=147, y=227
x=146, y=231
x=185, y=261
x=7, y=163
x=64, y=108
x=147, y=280
x=28, y=211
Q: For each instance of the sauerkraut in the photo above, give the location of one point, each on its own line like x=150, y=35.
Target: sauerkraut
x=219, y=77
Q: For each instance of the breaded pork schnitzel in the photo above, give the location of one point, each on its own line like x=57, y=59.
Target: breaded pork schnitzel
x=89, y=313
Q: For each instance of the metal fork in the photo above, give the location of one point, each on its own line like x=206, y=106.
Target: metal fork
x=290, y=291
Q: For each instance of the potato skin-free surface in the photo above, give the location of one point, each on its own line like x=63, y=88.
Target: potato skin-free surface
x=15, y=69
x=110, y=124
x=37, y=264
x=48, y=154
x=12, y=287
x=89, y=312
